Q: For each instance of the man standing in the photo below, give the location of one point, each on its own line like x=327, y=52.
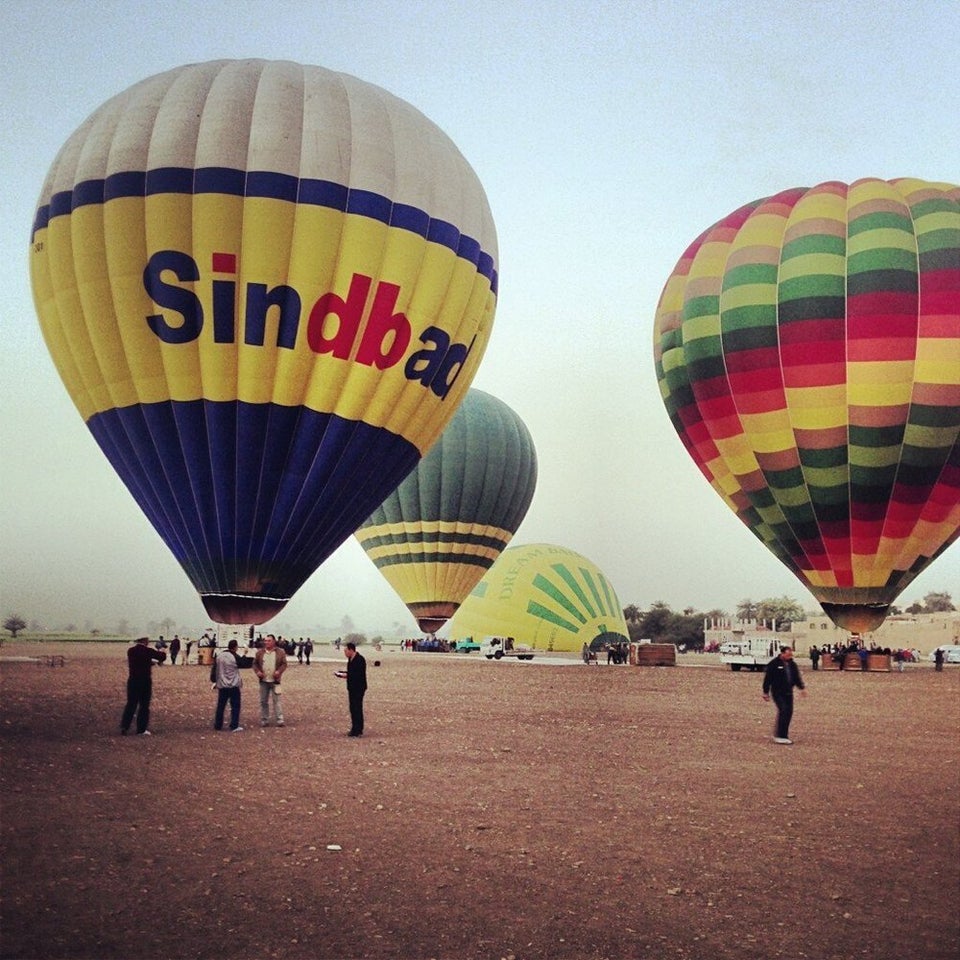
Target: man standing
x=779, y=679
x=225, y=676
x=140, y=659
x=268, y=665
x=356, y=687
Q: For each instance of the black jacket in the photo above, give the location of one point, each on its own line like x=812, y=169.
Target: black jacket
x=781, y=676
x=356, y=674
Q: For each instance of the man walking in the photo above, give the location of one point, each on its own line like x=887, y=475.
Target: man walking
x=356, y=687
x=140, y=659
x=225, y=676
x=268, y=664
x=779, y=679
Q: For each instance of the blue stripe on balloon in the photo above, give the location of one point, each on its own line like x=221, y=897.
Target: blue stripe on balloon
x=169, y=180
x=219, y=180
x=277, y=186
x=130, y=184
x=251, y=498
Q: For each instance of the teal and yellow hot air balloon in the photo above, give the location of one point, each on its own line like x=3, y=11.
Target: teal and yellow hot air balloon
x=808, y=352
x=437, y=534
x=267, y=288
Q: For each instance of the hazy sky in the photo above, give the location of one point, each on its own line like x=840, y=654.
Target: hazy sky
x=607, y=136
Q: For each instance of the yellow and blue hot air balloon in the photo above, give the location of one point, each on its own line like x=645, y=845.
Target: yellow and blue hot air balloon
x=437, y=534
x=808, y=353
x=267, y=288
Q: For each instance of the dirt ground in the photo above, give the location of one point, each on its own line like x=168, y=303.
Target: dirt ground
x=492, y=810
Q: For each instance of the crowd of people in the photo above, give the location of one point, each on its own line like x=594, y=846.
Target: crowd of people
x=839, y=654
x=269, y=663
x=301, y=648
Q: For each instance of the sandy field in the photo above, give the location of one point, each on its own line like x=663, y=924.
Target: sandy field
x=492, y=810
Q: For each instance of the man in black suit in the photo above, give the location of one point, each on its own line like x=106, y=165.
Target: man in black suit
x=356, y=687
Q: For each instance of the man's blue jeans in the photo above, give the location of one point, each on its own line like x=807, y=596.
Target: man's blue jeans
x=227, y=695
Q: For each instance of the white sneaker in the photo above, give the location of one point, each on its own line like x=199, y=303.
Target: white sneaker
x=782, y=740
x=237, y=730
x=146, y=733
x=280, y=723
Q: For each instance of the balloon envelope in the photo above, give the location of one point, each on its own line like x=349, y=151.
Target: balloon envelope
x=437, y=534
x=808, y=352
x=544, y=596
x=267, y=288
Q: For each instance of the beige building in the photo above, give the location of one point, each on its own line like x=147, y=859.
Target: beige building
x=922, y=631
x=911, y=631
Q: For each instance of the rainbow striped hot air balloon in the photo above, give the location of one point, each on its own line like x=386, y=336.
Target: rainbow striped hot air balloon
x=437, y=534
x=808, y=352
x=266, y=287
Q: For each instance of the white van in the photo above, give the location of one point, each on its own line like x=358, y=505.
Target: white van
x=951, y=653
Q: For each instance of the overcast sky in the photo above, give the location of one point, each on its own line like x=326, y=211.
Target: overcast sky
x=607, y=136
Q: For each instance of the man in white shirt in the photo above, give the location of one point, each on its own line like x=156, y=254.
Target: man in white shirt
x=269, y=664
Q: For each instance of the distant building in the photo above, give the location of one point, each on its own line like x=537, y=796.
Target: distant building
x=914, y=631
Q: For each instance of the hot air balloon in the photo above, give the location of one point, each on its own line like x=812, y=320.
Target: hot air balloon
x=437, y=534
x=808, y=352
x=546, y=597
x=267, y=288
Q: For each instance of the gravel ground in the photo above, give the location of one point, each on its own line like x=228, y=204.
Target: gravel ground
x=492, y=810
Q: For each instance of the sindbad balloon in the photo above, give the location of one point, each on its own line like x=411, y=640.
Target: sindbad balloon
x=267, y=288
x=438, y=533
x=808, y=353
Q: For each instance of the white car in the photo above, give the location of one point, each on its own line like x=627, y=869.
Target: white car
x=951, y=653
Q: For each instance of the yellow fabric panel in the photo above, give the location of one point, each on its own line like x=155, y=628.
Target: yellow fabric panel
x=73, y=339
x=447, y=583
x=215, y=219
x=54, y=333
x=818, y=408
x=748, y=294
x=809, y=264
x=824, y=205
x=820, y=578
x=938, y=361
x=737, y=455
x=879, y=384
x=697, y=328
x=871, y=240
x=96, y=323
x=768, y=432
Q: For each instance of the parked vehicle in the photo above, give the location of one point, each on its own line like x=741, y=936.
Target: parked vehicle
x=496, y=648
x=466, y=645
x=751, y=652
x=951, y=653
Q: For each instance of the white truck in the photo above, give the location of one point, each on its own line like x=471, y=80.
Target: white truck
x=749, y=651
x=496, y=648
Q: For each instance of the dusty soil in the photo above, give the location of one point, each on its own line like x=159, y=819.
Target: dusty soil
x=536, y=810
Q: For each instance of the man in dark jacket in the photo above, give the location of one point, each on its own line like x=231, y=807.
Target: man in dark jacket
x=356, y=687
x=779, y=679
x=140, y=660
